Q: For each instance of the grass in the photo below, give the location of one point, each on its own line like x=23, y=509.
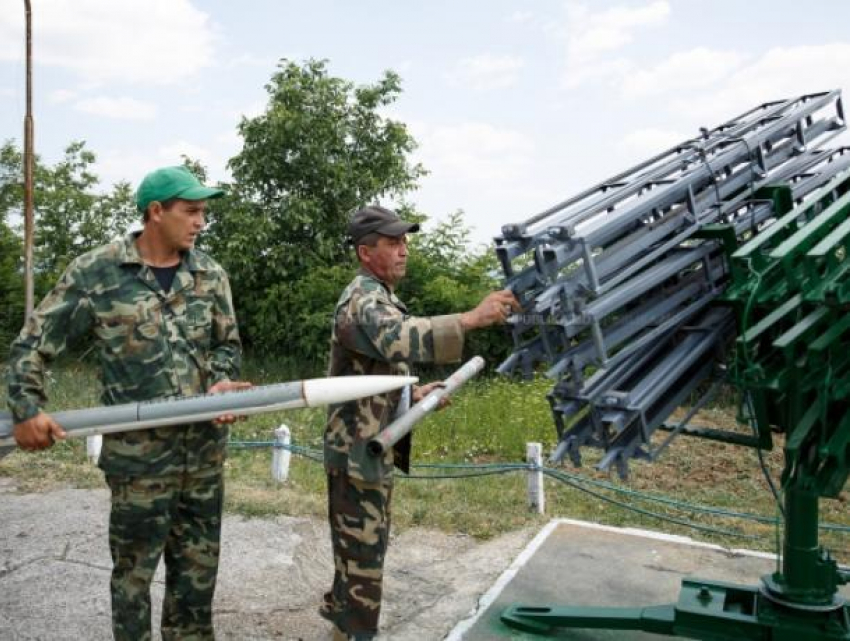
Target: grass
x=489, y=421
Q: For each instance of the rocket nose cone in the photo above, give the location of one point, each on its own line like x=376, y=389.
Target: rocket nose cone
x=339, y=389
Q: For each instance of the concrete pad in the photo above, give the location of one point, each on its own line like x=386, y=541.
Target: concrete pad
x=55, y=566
x=584, y=564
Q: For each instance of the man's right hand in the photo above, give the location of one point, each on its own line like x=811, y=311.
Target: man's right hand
x=495, y=308
x=38, y=433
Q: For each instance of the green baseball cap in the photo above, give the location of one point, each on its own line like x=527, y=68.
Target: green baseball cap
x=172, y=182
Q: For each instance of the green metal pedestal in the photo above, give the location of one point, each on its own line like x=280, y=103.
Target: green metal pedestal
x=801, y=603
x=706, y=610
x=790, y=291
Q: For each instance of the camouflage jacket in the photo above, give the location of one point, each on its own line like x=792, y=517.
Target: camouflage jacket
x=150, y=345
x=373, y=334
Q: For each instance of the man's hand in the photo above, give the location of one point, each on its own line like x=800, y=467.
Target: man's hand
x=421, y=391
x=495, y=308
x=38, y=433
x=229, y=386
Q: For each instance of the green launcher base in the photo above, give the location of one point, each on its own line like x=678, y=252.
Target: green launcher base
x=708, y=610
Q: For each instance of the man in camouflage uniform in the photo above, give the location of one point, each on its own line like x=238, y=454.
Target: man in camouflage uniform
x=374, y=334
x=160, y=315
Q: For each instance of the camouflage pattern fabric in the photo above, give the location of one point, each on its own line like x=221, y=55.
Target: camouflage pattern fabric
x=359, y=515
x=179, y=516
x=150, y=344
x=166, y=482
x=372, y=334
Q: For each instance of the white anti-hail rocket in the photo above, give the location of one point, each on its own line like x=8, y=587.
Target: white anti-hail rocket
x=204, y=407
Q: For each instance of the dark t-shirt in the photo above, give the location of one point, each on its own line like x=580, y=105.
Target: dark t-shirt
x=165, y=276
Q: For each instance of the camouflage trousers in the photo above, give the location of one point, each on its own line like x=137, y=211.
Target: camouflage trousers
x=178, y=517
x=359, y=516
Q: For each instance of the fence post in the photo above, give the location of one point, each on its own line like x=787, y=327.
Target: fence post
x=536, y=498
x=280, y=453
x=93, y=445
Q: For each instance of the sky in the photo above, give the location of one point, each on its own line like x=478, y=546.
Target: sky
x=516, y=105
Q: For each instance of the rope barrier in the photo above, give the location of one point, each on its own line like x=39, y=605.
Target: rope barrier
x=580, y=483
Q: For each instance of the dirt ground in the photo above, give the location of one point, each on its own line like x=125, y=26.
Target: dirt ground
x=54, y=573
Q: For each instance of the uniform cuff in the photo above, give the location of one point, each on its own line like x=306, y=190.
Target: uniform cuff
x=23, y=411
x=448, y=338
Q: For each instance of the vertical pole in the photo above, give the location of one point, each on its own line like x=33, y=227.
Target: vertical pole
x=536, y=498
x=93, y=446
x=281, y=455
x=29, y=216
x=810, y=575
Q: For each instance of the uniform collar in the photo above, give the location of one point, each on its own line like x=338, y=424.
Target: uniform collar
x=362, y=271
x=365, y=273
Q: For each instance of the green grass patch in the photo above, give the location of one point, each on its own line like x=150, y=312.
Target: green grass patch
x=489, y=422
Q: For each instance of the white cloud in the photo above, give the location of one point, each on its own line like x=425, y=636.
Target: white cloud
x=172, y=153
x=489, y=172
x=685, y=70
x=591, y=34
x=488, y=71
x=152, y=41
x=119, y=164
x=782, y=72
x=119, y=108
x=610, y=71
x=591, y=38
x=60, y=96
x=251, y=60
x=473, y=152
x=229, y=140
x=252, y=110
x=520, y=17
x=651, y=141
x=404, y=67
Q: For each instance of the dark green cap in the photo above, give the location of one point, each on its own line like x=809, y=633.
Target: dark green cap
x=172, y=182
x=378, y=220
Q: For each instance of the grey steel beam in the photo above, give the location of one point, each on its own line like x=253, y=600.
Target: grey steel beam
x=618, y=282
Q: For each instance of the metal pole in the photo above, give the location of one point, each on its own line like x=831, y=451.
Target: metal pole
x=281, y=455
x=29, y=215
x=401, y=427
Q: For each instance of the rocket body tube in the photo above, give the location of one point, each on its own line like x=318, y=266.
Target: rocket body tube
x=204, y=407
x=400, y=427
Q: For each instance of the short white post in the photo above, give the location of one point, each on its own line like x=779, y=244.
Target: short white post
x=93, y=445
x=536, y=498
x=281, y=453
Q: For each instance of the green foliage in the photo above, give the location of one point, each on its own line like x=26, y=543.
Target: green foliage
x=319, y=151
x=71, y=216
x=299, y=314
x=445, y=277
x=11, y=286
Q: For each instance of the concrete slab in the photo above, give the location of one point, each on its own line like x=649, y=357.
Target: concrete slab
x=55, y=566
x=584, y=564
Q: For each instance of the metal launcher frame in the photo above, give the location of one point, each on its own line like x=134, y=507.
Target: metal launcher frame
x=645, y=279
x=619, y=283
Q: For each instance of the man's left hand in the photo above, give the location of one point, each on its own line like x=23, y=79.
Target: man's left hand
x=229, y=386
x=421, y=391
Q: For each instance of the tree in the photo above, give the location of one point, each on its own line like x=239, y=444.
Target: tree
x=319, y=151
x=11, y=286
x=71, y=217
x=445, y=276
